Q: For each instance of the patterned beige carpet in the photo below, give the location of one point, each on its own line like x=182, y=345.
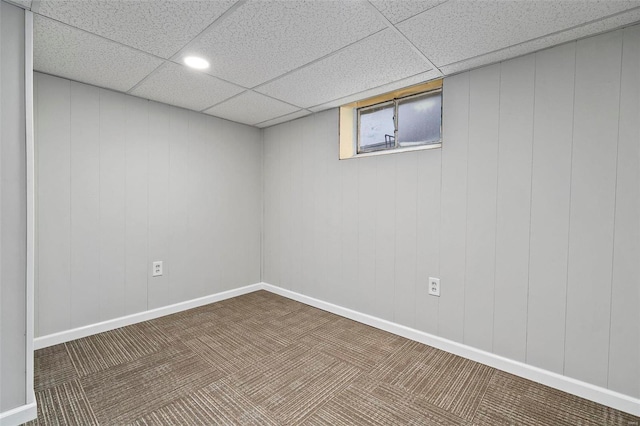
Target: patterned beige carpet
x=266, y=360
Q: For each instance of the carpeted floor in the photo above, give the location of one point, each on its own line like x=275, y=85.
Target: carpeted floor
x=264, y=359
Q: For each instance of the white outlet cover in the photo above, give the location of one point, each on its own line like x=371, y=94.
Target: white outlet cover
x=157, y=268
x=434, y=286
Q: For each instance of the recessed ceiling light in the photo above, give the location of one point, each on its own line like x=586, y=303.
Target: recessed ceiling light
x=195, y=62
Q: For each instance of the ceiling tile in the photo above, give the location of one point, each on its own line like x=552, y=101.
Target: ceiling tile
x=396, y=11
x=160, y=27
x=381, y=58
x=284, y=118
x=77, y=55
x=406, y=82
x=458, y=30
x=178, y=85
x=251, y=108
x=597, y=27
x=264, y=39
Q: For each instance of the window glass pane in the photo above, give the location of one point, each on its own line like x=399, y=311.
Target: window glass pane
x=419, y=119
x=376, y=128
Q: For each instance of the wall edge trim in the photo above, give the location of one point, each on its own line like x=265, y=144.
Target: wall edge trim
x=100, y=327
x=572, y=386
x=21, y=414
x=31, y=191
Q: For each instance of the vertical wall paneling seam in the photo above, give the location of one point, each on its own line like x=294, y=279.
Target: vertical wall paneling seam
x=340, y=182
x=291, y=197
x=0, y=156
x=262, y=197
x=356, y=257
x=358, y=166
x=28, y=70
x=416, y=280
x=495, y=245
x=336, y=191
x=69, y=322
x=466, y=206
x=189, y=173
x=0, y=168
x=395, y=231
x=375, y=244
x=125, y=251
x=280, y=208
x=169, y=234
x=147, y=104
x=533, y=139
x=36, y=236
x=36, y=288
x=444, y=146
x=439, y=271
x=277, y=207
x=0, y=183
x=566, y=283
x=100, y=299
x=325, y=188
x=615, y=200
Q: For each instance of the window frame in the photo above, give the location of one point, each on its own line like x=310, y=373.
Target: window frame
x=398, y=101
x=359, y=111
x=349, y=124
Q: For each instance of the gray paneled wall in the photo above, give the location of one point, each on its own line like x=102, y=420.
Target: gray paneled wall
x=529, y=214
x=122, y=182
x=13, y=210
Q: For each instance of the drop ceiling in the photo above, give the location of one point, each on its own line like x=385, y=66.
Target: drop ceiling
x=276, y=60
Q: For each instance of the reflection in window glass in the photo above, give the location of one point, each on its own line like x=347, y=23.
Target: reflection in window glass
x=419, y=119
x=377, y=128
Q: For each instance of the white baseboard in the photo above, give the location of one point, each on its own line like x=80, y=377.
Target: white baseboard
x=88, y=330
x=584, y=390
x=19, y=415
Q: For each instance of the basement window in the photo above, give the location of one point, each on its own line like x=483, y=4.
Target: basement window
x=403, y=120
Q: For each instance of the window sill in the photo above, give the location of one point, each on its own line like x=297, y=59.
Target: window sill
x=395, y=151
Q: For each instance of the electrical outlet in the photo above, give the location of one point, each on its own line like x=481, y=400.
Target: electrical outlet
x=434, y=286
x=157, y=268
